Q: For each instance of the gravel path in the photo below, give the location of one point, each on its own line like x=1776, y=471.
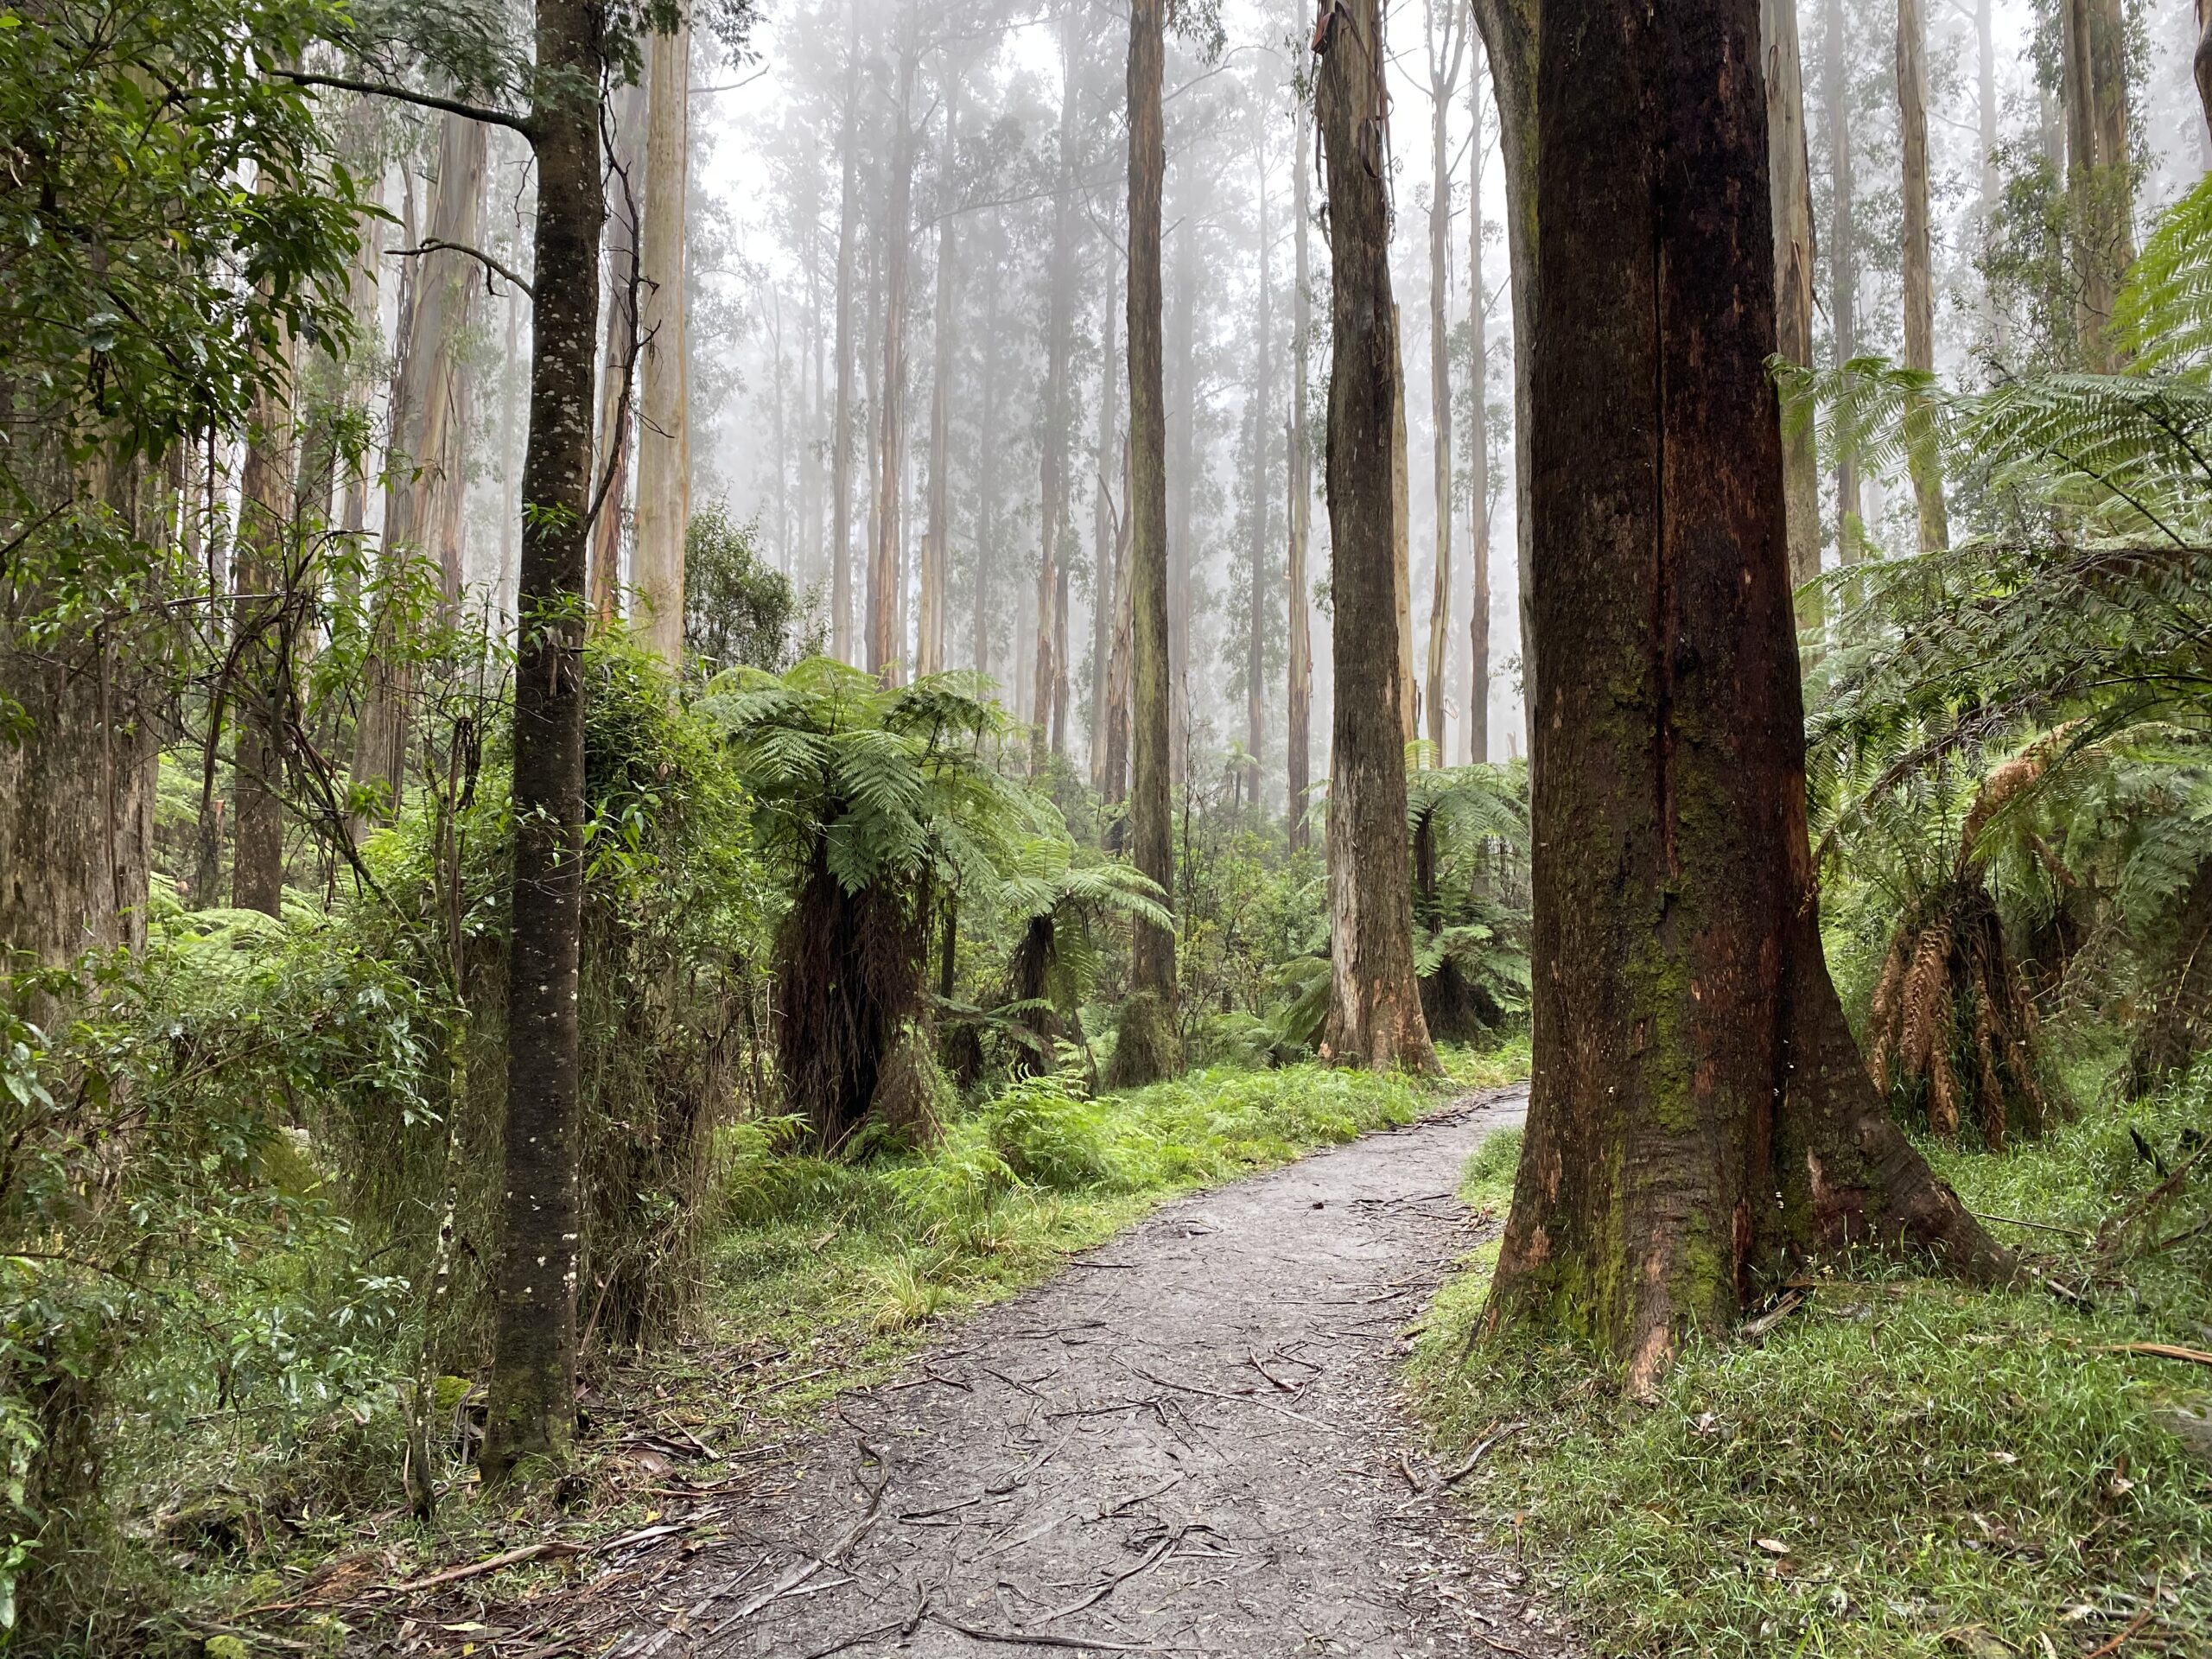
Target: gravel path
x=1191, y=1442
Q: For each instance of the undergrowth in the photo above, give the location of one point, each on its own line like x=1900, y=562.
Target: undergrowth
x=1904, y=1467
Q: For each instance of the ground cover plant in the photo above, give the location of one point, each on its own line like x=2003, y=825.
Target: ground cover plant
x=1886, y=1464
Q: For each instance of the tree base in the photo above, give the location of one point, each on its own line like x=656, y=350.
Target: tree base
x=1146, y=1048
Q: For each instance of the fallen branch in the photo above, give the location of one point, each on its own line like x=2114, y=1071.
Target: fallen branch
x=1152, y=1559
x=1460, y=1471
x=2114, y=1645
x=1754, y=1329
x=490, y=1564
x=799, y=1572
x=2159, y=1351
x=2039, y=1226
x=1044, y=1638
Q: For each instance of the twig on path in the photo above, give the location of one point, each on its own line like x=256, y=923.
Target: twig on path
x=1126, y=1504
x=1459, y=1471
x=1044, y=1638
x=1215, y=1394
x=1406, y=1468
x=1152, y=1559
x=2114, y=1645
x=1260, y=1366
x=799, y=1572
x=902, y=1630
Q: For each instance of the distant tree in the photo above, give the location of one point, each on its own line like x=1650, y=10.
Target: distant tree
x=737, y=610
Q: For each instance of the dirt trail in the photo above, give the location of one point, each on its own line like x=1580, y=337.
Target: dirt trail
x=1191, y=1442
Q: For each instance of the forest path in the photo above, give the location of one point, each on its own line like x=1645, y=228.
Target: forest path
x=1192, y=1441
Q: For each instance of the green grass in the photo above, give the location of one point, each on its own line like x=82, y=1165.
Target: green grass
x=1945, y=1471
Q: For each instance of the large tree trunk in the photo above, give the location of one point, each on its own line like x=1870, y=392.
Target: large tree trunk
x=423, y=466
x=885, y=572
x=1789, y=197
x=618, y=358
x=1401, y=549
x=1182, y=479
x=1843, y=264
x=1120, y=667
x=1510, y=29
x=1699, y=1118
x=1148, y=1046
x=1443, y=75
x=1478, y=451
x=841, y=442
x=987, y=481
x=929, y=645
x=1919, y=274
x=2202, y=62
x=663, y=390
x=1056, y=534
x=1298, y=738
x=532, y=1400
x=1985, y=31
x=1375, y=1014
x=2098, y=178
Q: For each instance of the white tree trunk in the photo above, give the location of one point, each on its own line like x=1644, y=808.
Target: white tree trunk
x=663, y=431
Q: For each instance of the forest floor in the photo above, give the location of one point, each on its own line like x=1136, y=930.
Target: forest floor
x=1193, y=1440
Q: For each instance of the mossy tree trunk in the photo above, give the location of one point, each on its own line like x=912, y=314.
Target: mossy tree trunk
x=1148, y=1046
x=532, y=1403
x=1700, y=1116
x=1374, y=1013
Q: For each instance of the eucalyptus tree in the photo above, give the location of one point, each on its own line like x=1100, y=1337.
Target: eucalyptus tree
x=1701, y=1117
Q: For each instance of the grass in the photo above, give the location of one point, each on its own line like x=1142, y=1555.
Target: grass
x=1905, y=1468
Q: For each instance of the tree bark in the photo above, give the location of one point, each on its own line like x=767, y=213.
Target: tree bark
x=1299, y=717
x=2099, y=170
x=1103, y=540
x=531, y=1415
x=1262, y=498
x=1478, y=451
x=1056, y=534
x=2201, y=63
x=840, y=443
x=988, y=471
x=1148, y=1046
x=1790, y=195
x=884, y=646
x=1120, y=667
x=929, y=645
x=1182, y=476
x=423, y=466
x=1699, y=1118
x=1510, y=29
x=1843, y=264
x=263, y=575
x=1925, y=464
x=1374, y=1013
x=664, y=390
x=1443, y=76
x=619, y=360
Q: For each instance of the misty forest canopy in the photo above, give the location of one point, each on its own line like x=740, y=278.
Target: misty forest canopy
x=671, y=671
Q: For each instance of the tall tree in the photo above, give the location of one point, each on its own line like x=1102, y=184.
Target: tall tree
x=1149, y=1044
x=1843, y=261
x=531, y=1411
x=263, y=575
x=424, y=470
x=929, y=644
x=664, y=379
x=886, y=570
x=840, y=438
x=2099, y=172
x=1477, y=446
x=1054, y=532
x=1789, y=192
x=1926, y=466
x=1374, y=1013
x=618, y=391
x=1262, y=497
x=1102, y=539
x=1445, y=53
x=1700, y=1116
x=1299, y=718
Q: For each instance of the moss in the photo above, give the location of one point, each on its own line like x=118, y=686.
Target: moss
x=1146, y=1046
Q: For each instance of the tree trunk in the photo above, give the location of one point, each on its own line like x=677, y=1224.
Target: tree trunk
x=1056, y=533
x=1263, y=501
x=1148, y=1046
x=1790, y=195
x=929, y=645
x=1102, y=542
x=1183, y=477
x=423, y=466
x=664, y=392
x=1843, y=264
x=884, y=646
x=988, y=470
x=1120, y=669
x=2099, y=177
x=1443, y=76
x=262, y=577
x=1510, y=30
x=531, y=1415
x=2202, y=62
x=841, y=443
x=1299, y=718
x=1402, y=550
x=1374, y=1013
x=1478, y=451
x=1926, y=465
x=1699, y=1118
x=1985, y=30
x=620, y=360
